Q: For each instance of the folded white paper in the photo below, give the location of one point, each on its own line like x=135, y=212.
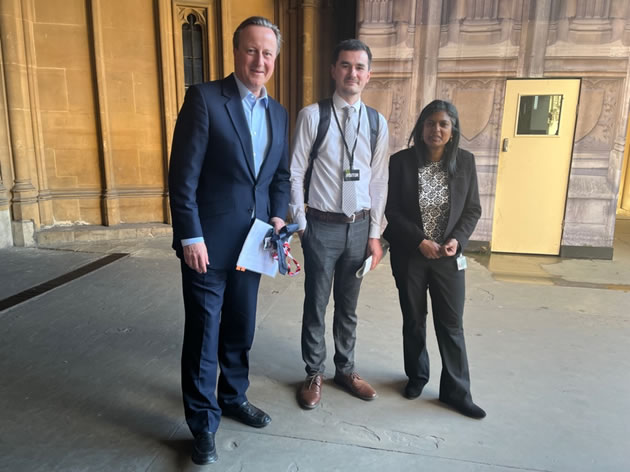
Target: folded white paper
x=253, y=256
x=365, y=268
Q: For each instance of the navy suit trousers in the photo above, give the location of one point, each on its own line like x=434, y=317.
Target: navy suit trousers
x=219, y=329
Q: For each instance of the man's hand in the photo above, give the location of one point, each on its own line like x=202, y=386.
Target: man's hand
x=450, y=247
x=375, y=250
x=277, y=223
x=430, y=249
x=196, y=257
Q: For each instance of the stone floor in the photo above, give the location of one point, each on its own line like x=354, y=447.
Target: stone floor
x=90, y=370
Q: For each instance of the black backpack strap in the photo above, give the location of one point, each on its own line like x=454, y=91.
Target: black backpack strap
x=374, y=127
x=325, y=107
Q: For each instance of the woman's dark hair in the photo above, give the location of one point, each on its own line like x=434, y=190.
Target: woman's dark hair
x=450, y=151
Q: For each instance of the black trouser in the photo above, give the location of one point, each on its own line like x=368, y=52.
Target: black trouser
x=415, y=274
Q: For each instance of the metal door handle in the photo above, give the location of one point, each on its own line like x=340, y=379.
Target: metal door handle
x=504, y=146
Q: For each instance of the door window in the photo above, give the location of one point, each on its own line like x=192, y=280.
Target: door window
x=539, y=115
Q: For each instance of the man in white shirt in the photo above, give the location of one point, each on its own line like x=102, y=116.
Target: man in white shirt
x=343, y=221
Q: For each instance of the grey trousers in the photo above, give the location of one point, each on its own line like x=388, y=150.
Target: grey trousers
x=332, y=251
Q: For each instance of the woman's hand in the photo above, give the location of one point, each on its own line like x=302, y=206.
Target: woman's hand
x=430, y=249
x=450, y=247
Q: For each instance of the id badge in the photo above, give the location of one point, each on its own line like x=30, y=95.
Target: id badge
x=351, y=175
x=461, y=262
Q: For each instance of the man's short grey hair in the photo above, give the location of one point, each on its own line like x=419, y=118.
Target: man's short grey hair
x=257, y=21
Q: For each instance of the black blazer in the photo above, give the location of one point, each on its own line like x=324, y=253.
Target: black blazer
x=212, y=184
x=404, y=231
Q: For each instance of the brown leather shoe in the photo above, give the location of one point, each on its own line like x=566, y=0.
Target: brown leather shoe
x=356, y=385
x=310, y=392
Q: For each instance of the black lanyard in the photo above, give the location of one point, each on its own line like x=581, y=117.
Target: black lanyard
x=343, y=136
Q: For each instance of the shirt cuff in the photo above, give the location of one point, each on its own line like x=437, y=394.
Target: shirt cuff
x=375, y=231
x=189, y=241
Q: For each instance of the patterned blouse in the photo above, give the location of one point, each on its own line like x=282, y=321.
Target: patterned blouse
x=434, y=200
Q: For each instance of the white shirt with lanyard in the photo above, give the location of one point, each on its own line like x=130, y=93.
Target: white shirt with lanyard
x=326, y=184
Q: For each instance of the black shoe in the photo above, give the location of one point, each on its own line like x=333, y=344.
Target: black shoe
x=413, y=389
x=248, y=414
x=466, y=408
x=204, y=450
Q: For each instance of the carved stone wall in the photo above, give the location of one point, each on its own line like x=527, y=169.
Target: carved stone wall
x=479, y=103
x=89, y=94
x=465, y=50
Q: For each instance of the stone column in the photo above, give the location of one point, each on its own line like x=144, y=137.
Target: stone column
x=309, y=11
x=626, y=29
x=25, y=205
x=110, y=205
x=427, y=45
x=168, y=89
x=624, y=190
x=6, y=235
x=531, y=62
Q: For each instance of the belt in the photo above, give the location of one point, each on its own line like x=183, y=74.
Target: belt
x=337, y=217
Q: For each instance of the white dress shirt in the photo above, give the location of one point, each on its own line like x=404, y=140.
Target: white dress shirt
x=326, y=179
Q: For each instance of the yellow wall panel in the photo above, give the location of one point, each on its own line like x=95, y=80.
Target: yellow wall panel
x=90, y=210
x=66, y=210
x=132, y=92
x=80, y=165
x=126, y=166
x=151, y=175
x=68, y=12
x=60, y=45
x=53, y=89
x=67, y=113
x=81, y=92
x=55, y=181
x=120, y=99
x=140, y=210
x=145, y=93
x=83, y=210
x=64, y=130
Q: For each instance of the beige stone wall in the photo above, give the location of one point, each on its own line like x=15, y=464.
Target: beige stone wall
x=623, y=204
x=89, y=95
x=6, y=172
x=464, y=50
x=84, y=76
x=67, y=112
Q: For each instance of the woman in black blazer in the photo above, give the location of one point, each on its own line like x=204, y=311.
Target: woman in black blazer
x=432, y=209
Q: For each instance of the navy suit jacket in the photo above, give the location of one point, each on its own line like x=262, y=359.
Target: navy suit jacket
x=405, y=229
x=213, y=188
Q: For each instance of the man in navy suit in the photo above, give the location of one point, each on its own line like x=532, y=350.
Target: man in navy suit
x=229, y=165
